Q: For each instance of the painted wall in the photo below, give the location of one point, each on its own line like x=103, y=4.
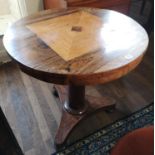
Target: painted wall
x=34, y=6
x=15, y=9
x=37, y=5
x=4, y=7
x=21, y=8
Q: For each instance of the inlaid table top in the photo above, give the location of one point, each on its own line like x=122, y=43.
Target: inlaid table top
x=76, y=45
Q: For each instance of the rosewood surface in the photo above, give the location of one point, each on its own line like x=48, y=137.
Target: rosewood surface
x=118, y=47
x=92, y=105
x=122, y=45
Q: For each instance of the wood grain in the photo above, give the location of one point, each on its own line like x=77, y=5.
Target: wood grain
x=60, y=34
x=131, y=93
x=122, y=49
x=8, y=142
x=77, y=34
x=69, y=121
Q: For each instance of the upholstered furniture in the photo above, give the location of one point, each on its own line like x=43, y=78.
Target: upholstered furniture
x=138, y=142
x=118, y=5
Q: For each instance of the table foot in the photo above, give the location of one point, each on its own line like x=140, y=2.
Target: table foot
x=69, y=121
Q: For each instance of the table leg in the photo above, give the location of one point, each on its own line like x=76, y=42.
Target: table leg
x=76, y=107
x=75, y=103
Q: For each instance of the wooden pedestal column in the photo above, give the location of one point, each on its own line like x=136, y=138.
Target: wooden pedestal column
x=75, y=104
x=76, y=107
x=46, y=46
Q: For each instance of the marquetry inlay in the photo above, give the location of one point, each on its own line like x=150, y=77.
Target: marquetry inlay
x=71, y=35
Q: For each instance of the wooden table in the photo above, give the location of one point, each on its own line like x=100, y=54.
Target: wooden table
x=76, y=47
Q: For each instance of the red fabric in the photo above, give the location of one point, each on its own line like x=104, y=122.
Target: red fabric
x=138, y=142
x=51, y=4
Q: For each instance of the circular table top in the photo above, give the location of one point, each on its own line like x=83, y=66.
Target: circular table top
x=76, y=45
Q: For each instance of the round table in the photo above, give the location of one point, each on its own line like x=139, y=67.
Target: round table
x=76, y=47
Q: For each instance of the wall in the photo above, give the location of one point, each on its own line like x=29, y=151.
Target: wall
x=21, y=8
x=4, y=7
x=18, y=9
x=37, y=5
x=14, y=8
x=33, y=6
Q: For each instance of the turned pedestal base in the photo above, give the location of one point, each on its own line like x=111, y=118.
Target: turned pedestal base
x=76, y=107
